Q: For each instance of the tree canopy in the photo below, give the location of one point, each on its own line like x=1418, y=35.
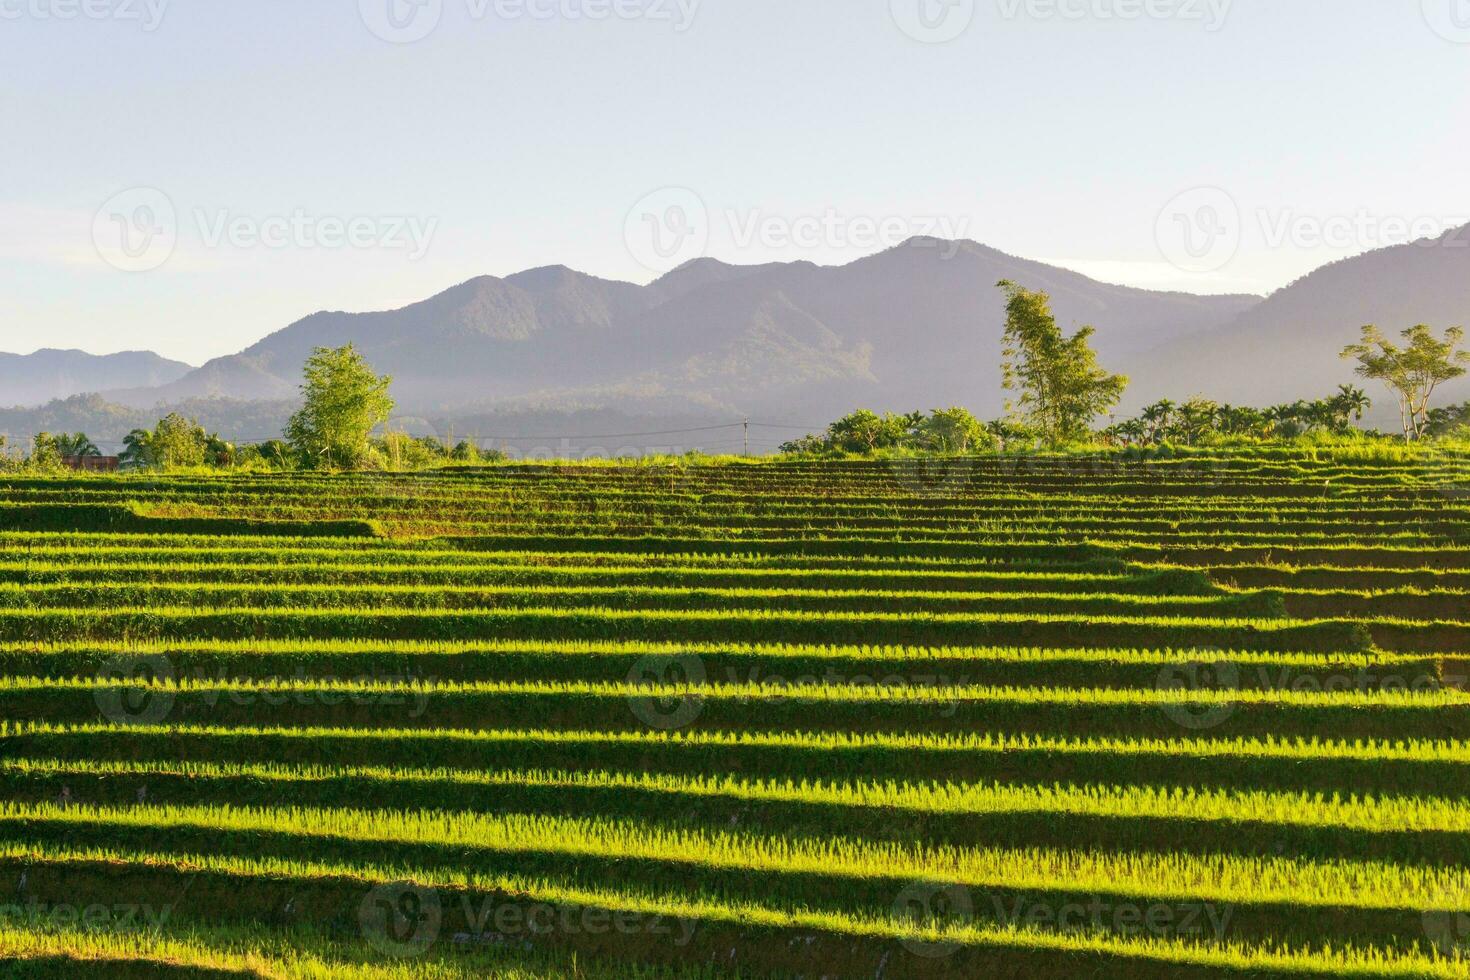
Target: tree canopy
x=343, y=401
x=1412, y=371
x=1061, y=387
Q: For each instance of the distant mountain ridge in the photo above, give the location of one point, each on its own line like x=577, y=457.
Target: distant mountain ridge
x=918, y=325
x=1287, y=347
x=28, y=380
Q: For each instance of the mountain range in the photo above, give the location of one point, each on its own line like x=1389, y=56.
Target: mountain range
x=34, y=379
x=916, y=326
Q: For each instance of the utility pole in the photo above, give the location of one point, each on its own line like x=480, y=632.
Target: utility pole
x=747, y=437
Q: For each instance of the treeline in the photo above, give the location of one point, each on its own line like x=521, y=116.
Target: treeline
x=1200, y=419
x=1194, y=422
x=1058, y=391
x=946, y=430
x=344, y=401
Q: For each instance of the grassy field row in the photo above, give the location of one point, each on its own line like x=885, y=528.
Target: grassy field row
x=656, y=928
x=1201, y=716
x=1295, y=899
x=1174, y=759
x=1428, y=714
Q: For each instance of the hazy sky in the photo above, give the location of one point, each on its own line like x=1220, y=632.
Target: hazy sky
x=188, y=176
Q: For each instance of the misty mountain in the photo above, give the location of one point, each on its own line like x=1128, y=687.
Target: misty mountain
x=34, y=379
x=917, y=326
x=1287, y=347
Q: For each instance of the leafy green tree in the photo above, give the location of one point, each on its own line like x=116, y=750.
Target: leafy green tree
x=343, y=401
x=1453, y=422
x=1011, y=433
x=178, y=441
x=952, y=430
x=1412, y=371
x=867, y=432
x=175, y=441
x=945, y=430
x=1062, y=389
x=273, y=453
x=807, y=445
x=465, y=451
x=45, y=452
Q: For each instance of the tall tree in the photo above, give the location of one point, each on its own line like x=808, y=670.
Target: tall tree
x=1412, y=371
x=343, y=400
x=1062, y=388
x=178, y=441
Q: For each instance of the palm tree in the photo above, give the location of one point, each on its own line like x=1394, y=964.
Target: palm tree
x=76, y=444
x=138, y=451
x=1349, y=405
x=1157, y=418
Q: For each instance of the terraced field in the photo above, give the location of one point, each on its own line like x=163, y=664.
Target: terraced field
x=1054, y=716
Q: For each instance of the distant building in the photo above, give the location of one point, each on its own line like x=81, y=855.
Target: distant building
x=92, y=464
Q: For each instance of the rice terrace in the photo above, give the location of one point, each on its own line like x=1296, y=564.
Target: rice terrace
x=1188, y=713
x=749, y=490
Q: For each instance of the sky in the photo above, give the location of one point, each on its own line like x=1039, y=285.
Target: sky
x=188, y=176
